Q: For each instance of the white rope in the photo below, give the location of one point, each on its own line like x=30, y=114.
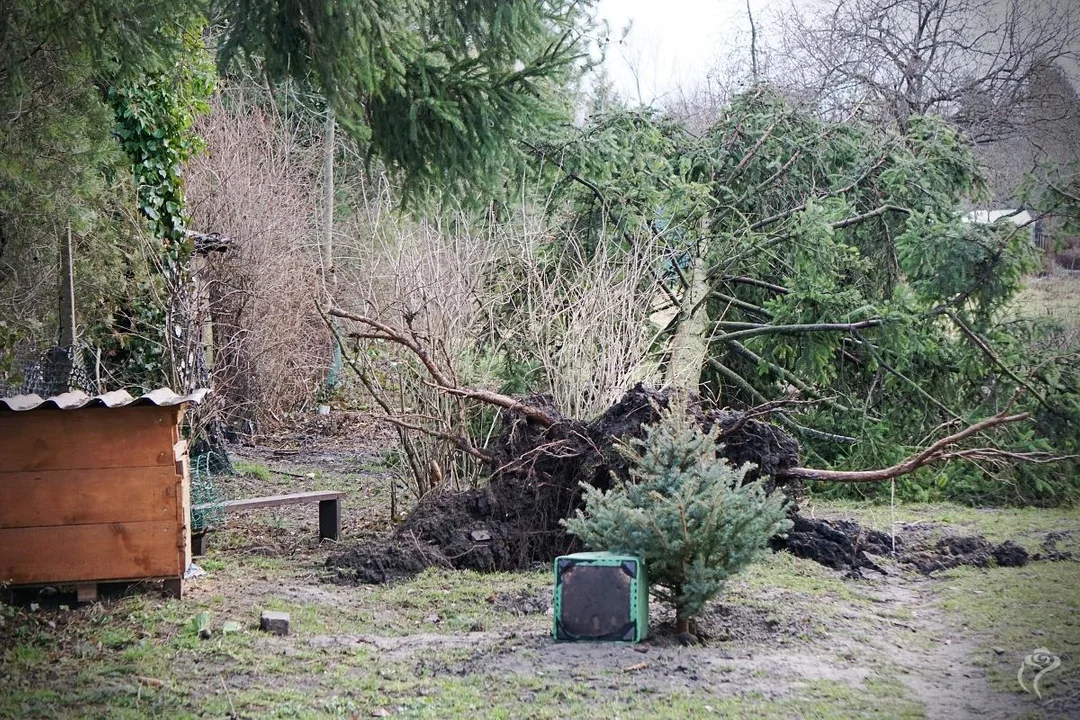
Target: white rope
x=892, y=514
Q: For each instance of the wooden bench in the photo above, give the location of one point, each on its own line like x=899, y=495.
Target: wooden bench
x=329, y=512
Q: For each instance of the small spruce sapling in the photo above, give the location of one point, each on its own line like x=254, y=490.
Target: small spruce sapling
x=685, y=511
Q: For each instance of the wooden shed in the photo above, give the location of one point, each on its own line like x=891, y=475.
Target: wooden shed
x=94, y=489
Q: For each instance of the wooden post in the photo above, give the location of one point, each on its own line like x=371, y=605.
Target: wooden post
x=174, y=587
x=62, y=358
x=329, y=278
x=86, y=592
x=203, y=312
x=198, y=543
x=67, y=293
x=330, y=519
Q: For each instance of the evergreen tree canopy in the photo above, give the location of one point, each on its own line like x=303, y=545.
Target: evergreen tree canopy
x=830, y=260
x=438, y=90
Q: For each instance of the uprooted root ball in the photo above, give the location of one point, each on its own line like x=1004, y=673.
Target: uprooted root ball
x=513, y=522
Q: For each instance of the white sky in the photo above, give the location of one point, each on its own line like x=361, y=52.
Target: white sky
x=675, y=43
x=672, y=42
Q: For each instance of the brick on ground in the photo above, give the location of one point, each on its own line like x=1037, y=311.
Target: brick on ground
x=275, y=621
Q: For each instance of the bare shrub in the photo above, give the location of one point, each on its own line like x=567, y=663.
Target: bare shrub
x=493, y=312
x=584, y=324
x=257, y=184
x=429, y=278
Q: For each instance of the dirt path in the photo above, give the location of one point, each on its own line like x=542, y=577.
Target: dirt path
x=934, y=656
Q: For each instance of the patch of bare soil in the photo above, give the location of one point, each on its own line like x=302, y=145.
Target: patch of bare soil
x=522, y=602
x=932, y=656
x=482, y=530
x=755, y=650
x=341, y=443
x=405, y=647
x=776, y=649
x=657, y=668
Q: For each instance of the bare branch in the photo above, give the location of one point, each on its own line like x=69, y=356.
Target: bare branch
x=442, y=381
x=458, y=441
x=868, y=215
x=798, y=329
x=937, y=452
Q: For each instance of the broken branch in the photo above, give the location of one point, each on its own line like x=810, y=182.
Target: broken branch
x=441, y=380
x=933, y=454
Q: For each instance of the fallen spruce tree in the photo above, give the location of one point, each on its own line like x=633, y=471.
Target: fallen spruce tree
x=815, y=275
x=540, y=459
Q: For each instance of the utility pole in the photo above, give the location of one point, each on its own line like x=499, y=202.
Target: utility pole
x=329, y=280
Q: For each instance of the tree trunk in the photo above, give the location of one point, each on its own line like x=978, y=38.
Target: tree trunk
x=682, y=623
x=689, y=347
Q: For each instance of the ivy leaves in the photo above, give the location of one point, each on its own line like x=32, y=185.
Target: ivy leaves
x=154, y=119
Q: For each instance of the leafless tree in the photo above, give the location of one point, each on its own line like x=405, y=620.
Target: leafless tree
x=974, y=61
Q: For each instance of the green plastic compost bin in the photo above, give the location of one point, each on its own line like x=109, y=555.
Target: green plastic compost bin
x=601, y=596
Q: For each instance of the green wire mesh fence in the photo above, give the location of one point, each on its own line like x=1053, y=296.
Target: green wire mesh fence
x=204, y=492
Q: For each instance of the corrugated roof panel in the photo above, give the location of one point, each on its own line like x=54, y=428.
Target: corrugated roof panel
x=162, y=397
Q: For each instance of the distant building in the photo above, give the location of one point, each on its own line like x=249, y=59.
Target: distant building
x=1048, y=233
x=1017, y=216
x=989, y=217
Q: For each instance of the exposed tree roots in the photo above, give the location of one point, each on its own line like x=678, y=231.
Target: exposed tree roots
x=513, y=522
x=542, y=458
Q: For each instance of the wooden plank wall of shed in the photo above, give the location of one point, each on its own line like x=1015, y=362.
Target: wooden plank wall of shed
x=94, y=494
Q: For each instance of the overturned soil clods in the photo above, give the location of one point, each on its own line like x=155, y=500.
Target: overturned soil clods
x=514, y=520
x=953, y=551
x=1050, y=549
x=739, y=623
x=838, y=544
x=847, y=546
x=397, y=559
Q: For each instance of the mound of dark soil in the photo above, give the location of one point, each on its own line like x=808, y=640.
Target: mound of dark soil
x=843, y=545
x=953, y=551
x=397, y=559
x=838, y=544
x=514, y=520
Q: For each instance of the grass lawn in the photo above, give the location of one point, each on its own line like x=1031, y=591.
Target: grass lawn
x=789, y=639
